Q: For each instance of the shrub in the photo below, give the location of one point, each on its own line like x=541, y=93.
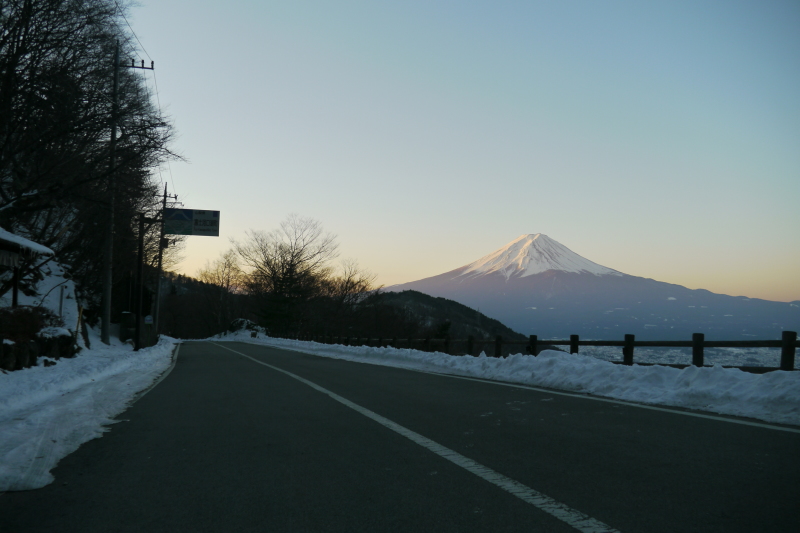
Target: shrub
x=23, y=323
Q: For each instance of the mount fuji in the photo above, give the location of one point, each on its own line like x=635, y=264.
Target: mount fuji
x=535, y=285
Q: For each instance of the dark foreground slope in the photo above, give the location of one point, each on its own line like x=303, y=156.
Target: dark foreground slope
x=448, y=317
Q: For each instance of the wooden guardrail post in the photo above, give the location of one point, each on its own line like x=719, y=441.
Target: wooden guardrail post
x=573, y=344
x=627, y=350
x=471, y=345
x=533, y=341
x=498, y=346
x=447, y=344
x=426, y=346
x=393, y=344
x=788, y=341
x=697, y=348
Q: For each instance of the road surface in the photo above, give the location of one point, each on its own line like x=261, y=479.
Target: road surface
x=241, y=437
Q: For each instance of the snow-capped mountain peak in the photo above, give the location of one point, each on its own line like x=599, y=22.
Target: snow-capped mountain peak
x=532, y=254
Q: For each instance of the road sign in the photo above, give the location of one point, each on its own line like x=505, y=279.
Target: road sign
x=191, y=222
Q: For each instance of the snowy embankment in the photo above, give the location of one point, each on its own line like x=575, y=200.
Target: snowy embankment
x=46, y=413
x=773, y=397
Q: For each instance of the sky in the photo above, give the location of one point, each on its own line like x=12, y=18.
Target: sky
x=660, y=139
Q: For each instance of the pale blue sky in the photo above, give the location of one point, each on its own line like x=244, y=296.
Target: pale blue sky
x=661, y=139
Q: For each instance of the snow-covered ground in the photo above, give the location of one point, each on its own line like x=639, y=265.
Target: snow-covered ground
x=48, y=412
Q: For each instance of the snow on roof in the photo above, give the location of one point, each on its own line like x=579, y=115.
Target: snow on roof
x=12, y=238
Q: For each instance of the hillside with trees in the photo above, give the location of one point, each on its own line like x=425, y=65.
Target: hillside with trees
x=57, y=63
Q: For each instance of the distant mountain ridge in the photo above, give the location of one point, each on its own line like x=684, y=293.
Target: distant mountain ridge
x=535, y=285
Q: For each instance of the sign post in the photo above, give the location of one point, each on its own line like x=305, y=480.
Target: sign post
x=175, y=222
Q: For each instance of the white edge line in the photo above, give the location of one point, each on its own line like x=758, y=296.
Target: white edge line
x=618, y=402
x=551, y=391
x=573, y=517
x=160, y=378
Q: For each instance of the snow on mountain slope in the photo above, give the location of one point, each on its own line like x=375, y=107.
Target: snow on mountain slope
x=533, y=254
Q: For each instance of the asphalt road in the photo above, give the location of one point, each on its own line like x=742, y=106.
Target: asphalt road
x=225, y=443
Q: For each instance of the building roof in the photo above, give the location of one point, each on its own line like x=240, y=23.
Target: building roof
x=12, y=246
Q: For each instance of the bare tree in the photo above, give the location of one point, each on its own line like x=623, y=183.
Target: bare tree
x=285, y=269
x=224, y=294
x=348, y=288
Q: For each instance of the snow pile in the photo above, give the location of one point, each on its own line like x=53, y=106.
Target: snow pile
x=774, y=397
x=46, y=413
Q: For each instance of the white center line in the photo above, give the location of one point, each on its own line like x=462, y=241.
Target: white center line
x=566, y=514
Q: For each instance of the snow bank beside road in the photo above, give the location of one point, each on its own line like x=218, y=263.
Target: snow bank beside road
x=773, y=397
x=46, y=413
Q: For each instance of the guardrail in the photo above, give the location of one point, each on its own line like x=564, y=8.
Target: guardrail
x=788, y=345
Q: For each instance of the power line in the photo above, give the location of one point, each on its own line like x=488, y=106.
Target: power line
x=133, y=48
x=122, y=14
x=155, y=82
x=161, y=116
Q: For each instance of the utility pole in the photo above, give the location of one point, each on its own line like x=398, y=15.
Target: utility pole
x=137, y=337
x=105, y=317
x=162, y=243
x=108, y=278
